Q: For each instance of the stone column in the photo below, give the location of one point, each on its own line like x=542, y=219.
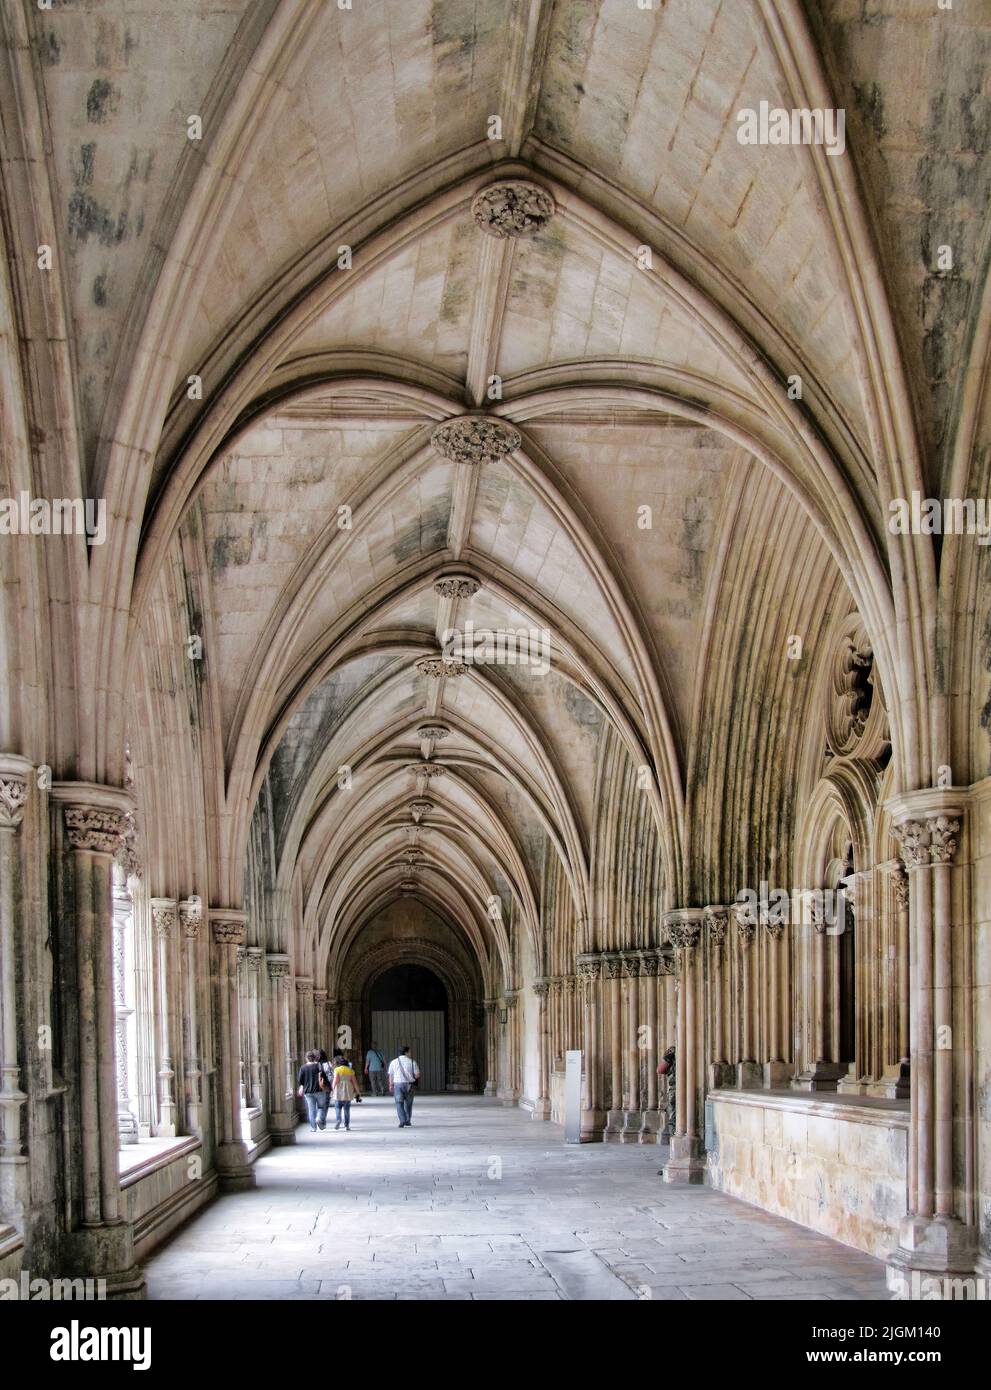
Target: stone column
x=630, y=985
x=123, y=909
x=612, y=986
x=253, y=1077
x=101, y=1245
x=304, y=1016
x=748, y=1073
x=933, y=1236
x=281, y=1115
x=190, y=920
x=895, y=1078
x=649, y=1041
x=321, y=1029
x=572, y=1015
x=164, y=920
x=542, y=1107
x=776, y=1071
x=716, y=925
x=14, y=1176
x=558, y=1028
x=491, y=1024
x=593, y=1114
x=687, y=1161
x=233, y=1169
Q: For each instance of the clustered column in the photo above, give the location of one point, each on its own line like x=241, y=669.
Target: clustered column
x=14, y=772
x=686, y=1164
x=228, y=928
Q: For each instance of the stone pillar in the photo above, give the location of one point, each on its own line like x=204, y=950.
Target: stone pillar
x=593, y=1113
x=748, y=1073
x=612, y=986
x=491, y=1025
x=933, y=1236
x=304, y=1016
x=511, y=1091
x=630, y=985
x=281, y=1112
x=253, y=1076
x=101, y=1244
x=649, y=1041
x=164, y=920
x=776, y=1070
x=558, y=1028
x=190, y=920
x=542, y=1106
x=14, y=1177
x=321, y=1027
x=687, y=1161
x=233, y=1169
x=123, y=909
x=573, y=1015
x=716, y=925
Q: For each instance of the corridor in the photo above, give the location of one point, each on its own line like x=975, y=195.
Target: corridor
x=477, y=1201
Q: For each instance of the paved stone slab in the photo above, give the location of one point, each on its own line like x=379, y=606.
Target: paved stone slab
x=407, y=1215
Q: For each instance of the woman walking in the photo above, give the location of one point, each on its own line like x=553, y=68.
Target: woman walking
x=345, y=1090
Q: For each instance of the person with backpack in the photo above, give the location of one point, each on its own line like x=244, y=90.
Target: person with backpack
x=311, y=1082
x=375, y=1070
x=345, y=1090
x=403, y=1076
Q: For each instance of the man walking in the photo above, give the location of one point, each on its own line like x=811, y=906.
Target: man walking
x=375, y=1070
x=315, y=1095
x=403, y=1076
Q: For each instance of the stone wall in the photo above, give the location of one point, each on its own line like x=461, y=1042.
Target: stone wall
x=837, y=1168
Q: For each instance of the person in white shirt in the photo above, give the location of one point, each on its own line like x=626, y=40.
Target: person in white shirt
x=403, y=1076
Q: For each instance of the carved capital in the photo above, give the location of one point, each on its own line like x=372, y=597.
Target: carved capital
x=589, y=968
x=899, y=882
x=911, y=835
x=684, y=927
x=746, y=922
x=255, y=956
x=540, y=988
x=630, y=962
x=13, y=795
x=649, y=964
x=942, y=838
x=96, y=829
x=475, y=439
x=613, y=963
x=716, y=923
x=228, y=926
x=512, y=208
x=304, y=986
x=278, y=967
x=164, y=916
x=190, y=916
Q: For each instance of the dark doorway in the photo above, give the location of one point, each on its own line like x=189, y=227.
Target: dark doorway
x=409, y=1007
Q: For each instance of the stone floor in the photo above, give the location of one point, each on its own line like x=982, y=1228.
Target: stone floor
x=480, y=1202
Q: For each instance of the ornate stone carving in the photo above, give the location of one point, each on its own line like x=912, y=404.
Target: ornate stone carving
x=589, y=967
x=436, y=732
x=439, y=667
x=911, y=835
x=613, y=963
x=942, y=838
x=255, y=954
x=13, y=795
x=304, y=986
x=163, y=916
x=419, y=808
x=746, y=922
x=717, y=922
x=127, y=856
x=540, y=988
x=278, y=967
x=97, y=829
x=570, y=983
x=475, y=439
x=456, y=586
x=773, y=925
x=512, y=208
x=683, y=928
x=426, y=769
x=649, y=964
x=899, y=882
x=228, y=931
x=630, y=963
x=190, y=916
x=408, y=885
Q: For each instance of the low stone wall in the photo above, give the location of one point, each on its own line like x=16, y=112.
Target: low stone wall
x=836, y=1167
x=158, y=1196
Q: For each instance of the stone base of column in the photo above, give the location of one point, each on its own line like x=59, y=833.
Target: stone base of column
x=895, y=1083
x=749, y=1076
x=592, y=1126
x=507, y=1095
x=541, y=1109
x=777, y=1074
x=106, y=1253
x=612, y=1133
x=632, y=1124
x=687, y=1161
x=234, y=1172
x=821, y=1076
x=489, y=1089
x=650, y=1125
x=15, y=1188
x=932, y=1249
x=282, y=1129
x=721, y=1074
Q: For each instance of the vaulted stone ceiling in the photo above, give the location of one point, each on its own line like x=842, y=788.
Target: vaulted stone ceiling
x=659, y=386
